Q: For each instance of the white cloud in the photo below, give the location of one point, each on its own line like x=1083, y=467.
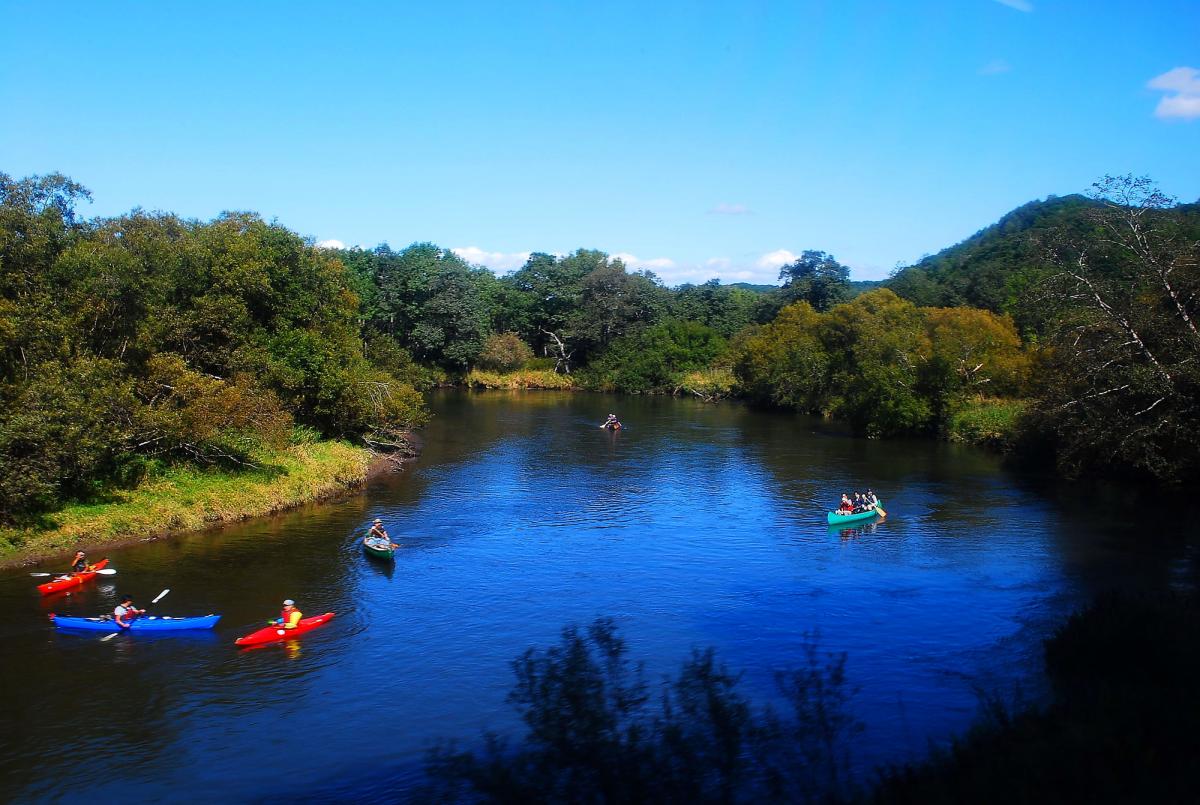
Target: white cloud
x=776, y=259
x=635, y=262
x=496, y=261
x=730, y=209
x=995, y=67
x=330, y=244
x=1182, y=86
x=717, y=262
x=1019, y=5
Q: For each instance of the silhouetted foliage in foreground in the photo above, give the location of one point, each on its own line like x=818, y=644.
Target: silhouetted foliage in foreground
x=597, y=731
x=1122, y=725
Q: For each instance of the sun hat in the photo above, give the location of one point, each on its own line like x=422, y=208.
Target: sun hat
x=289, y=603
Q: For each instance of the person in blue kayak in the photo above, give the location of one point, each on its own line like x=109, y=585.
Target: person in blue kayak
x=290, y=617
x=125, y=612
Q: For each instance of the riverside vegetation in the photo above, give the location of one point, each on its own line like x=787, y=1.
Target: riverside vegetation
x=160, y=372
x=143, y=345
x=1119, y=726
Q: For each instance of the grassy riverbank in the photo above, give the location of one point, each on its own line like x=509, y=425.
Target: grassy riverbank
x=521, y=379
x=187, y=499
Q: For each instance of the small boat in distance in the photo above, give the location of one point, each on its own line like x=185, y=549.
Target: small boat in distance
x=379, y=549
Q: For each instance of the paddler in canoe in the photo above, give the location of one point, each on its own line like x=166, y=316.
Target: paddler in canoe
x=612, y=423
x=378, y=537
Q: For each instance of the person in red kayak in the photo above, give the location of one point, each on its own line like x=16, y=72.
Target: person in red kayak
x=290, y=617
x=78, y=565
x=125, y=612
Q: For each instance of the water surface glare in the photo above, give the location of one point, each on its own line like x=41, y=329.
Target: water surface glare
x=696, y=526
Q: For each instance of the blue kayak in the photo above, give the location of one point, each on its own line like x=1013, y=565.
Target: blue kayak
x=151, y=624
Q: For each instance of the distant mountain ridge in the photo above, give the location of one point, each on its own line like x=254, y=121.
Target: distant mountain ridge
x=990, y=268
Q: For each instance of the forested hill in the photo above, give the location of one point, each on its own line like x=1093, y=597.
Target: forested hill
x=990, y=268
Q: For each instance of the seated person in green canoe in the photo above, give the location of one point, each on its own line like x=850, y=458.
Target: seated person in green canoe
x=378, y=538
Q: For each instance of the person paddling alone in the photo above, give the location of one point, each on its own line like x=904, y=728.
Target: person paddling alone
x=378, y=537
x=125, y=612
x=612, y=423
x=78, y=565
x=290, y=617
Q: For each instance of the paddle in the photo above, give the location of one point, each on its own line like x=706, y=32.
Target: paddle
x=880, y=510
x=157, y=598
x=104, y=571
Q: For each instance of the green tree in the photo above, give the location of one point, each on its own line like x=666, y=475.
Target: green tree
x=785, y=363
x=504, y=352
x=654, y=359
x=1123, y=390
x=817, y=278
x=879, y=347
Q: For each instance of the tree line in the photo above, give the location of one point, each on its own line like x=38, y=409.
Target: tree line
x=145, y=338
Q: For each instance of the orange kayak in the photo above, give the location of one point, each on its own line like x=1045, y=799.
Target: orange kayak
x=272, y=634
x=74, y=580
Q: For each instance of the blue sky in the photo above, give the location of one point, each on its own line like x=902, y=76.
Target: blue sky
x=699, y=139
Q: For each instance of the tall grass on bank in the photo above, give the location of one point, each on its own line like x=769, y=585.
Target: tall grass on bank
x=186, y=499
x=520, y=379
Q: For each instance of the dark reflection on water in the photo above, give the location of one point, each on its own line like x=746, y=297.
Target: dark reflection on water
x=697, y=525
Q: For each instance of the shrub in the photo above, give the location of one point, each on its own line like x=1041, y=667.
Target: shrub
x=595, y=732
x=504, y=352
x=990, y=423
x=709, y=384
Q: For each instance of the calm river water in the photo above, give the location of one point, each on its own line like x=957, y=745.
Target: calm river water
x=696, y=526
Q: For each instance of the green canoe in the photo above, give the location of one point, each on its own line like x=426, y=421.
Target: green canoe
x=380, y=549
x=833, y=518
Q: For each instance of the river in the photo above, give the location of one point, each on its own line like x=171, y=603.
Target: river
x=698, y=525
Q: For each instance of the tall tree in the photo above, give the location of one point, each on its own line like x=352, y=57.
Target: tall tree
x=817, y=278
x=1125, y=387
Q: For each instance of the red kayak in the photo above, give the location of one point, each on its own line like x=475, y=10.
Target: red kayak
x=274, y=633
x=74, y=580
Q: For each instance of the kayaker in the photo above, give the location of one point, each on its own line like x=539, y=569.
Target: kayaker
x=290, y=617
x=78, y=565
x=377, y=536
x=125, y=612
